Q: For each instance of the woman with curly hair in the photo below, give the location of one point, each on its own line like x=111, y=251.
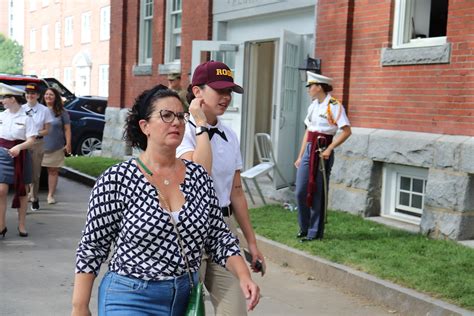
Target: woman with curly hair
x=160, y=213
x=58, y=141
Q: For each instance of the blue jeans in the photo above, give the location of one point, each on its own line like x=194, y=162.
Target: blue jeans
x=309, y=218
x=124, y=296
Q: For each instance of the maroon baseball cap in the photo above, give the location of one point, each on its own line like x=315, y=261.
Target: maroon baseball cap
x=216, y=75
x=32, y=87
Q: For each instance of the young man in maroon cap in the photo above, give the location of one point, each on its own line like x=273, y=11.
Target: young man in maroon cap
x=215, y=146
x=42, y=119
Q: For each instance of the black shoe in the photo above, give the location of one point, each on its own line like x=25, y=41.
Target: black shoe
x=301, y=234
x=22, y=234
x=4, y=231
x=35, y=206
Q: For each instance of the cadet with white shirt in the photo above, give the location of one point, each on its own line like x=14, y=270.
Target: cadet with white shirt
x=42, y=118
x=325, y=116
x=17, y=133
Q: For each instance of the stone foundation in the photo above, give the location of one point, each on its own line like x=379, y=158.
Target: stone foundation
x=112, y=141
x=356, y=179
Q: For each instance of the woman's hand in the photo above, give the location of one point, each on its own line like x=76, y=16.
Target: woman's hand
x=14, y=151
x=195, y=108
x=327, y=153
x=257, y=255
x=67, y=149
x=298, y=162
x=251, y=292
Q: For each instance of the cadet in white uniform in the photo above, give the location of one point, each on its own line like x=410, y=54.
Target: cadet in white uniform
x=325, y=116
x=216, y=147
x=42, y=119
x=17, y=133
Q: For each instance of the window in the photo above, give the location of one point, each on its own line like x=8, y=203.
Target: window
x=68, y=31
x=105, y=23
x=146, y=27
x=404, y=191
x=32, y=40
x=44, y=37
x=44, y=73
x=44, y=3
x=57, y=35
x=420, y=23
x=104, y=80
x=86, y=27
x=173, y=30
x=56, y=73
x=68, y=78
x=95, y=106
x=32, y=5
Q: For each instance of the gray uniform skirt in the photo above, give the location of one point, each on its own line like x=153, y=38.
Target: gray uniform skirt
x=7, y=167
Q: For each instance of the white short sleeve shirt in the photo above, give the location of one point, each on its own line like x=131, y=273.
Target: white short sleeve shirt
x=226, y=158
x=40, y=113
x=15, y=126
x=317, y=118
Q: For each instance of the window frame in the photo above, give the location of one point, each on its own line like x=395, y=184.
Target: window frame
x=86, y=30
x=103, y=80
x=403, y=8
x=391, y=189
x=68, y=31
x=45, y=37
x=104, y=33
x=171, y=31
x=33, y=40
x=145, y=35
x=57, y=35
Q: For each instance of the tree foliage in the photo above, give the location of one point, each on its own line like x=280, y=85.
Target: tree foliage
x=11, y=56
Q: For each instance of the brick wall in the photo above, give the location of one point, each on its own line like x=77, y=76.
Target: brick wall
x=196, y=25
x=435, y=98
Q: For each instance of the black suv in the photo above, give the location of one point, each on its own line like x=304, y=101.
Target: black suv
x=87, y=115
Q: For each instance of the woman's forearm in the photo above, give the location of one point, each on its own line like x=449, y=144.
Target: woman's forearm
x=82, y=290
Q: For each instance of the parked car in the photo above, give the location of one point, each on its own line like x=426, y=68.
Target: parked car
x=87, y=115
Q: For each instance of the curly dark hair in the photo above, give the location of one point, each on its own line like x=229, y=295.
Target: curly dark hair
x=58, y=107
x=142, y=109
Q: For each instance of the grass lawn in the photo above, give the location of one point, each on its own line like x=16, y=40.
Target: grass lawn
x=439, y=268
x=93, y=166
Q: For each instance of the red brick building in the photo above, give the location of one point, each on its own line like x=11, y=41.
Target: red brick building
x=404, y=70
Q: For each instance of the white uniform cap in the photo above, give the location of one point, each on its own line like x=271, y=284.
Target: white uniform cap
x=9, y=90
x=315, y=78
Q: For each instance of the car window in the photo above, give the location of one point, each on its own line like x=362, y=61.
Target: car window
x=95, y=106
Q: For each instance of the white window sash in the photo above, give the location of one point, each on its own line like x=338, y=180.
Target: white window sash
x=402, y=28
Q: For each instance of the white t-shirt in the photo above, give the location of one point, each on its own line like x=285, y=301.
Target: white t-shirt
x=40, y=113
x=14, y=126
x=317, y=118
x=226, y=158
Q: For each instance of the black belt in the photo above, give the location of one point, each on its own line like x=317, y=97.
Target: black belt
x=226, y=211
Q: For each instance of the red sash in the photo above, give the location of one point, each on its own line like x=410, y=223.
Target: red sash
x=314, y=162
x=18, y=163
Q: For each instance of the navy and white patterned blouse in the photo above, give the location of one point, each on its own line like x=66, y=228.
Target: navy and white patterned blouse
x=124, y=210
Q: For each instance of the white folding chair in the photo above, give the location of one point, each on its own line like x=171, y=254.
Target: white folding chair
x=267, y=163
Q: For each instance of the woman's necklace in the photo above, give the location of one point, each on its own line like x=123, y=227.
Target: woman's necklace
x=149, y=172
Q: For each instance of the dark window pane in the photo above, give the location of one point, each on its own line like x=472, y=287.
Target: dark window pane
x=438, y=18
x=405, y=183
x=417, y=185
x=416, y=201
x=404, y=199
